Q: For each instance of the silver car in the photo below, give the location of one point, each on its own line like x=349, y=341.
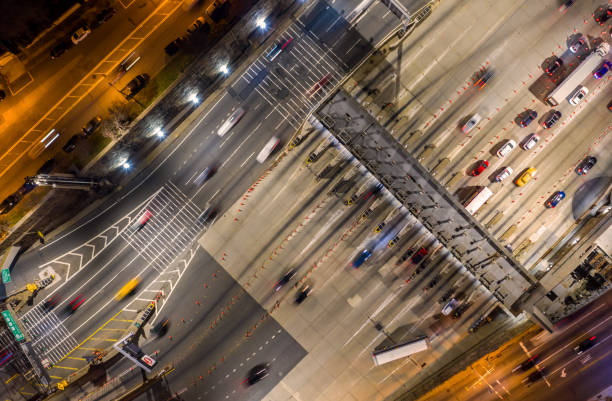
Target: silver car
x=530, y=141
x=471, y=123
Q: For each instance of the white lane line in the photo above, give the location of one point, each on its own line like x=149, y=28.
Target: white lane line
x=247, y=159
x=330, y=221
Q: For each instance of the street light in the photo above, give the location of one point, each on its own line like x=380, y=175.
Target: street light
x=261, y=23
x=126, y=165
x=158, y=132
x=193, y=98
x=224, y=69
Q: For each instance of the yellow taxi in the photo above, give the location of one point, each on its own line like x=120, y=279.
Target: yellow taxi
x=526, y=176
x=128, y=288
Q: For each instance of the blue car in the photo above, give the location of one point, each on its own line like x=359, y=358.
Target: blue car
x=363, y=256
x=601, y=71
x=555, y=199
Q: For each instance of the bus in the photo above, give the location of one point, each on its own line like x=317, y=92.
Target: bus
x=574, y=79
x=477, y=199
x=389, y=354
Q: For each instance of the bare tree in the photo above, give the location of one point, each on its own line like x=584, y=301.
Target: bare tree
x=119, y=120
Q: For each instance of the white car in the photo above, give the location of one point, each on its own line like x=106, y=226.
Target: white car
x=506, y=148
x=531, y=141
x=268, y=149
x=579, y=94
x=577, y=45
x=80, y=34
x=505, y=173
x=450, y=306
x=231, y=121
x=471, y=123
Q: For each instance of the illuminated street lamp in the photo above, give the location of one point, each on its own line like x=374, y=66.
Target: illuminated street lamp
x=224, y=69
x=158, y=132
x=126, y=165
x=193, y=98
x=261, y=23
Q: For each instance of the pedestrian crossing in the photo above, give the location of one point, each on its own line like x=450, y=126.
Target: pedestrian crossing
x=296, y=81
x=174, y=224
x=50, y=337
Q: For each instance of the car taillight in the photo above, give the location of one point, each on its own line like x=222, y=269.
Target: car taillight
x=592, y=338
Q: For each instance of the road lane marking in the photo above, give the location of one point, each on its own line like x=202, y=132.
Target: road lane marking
x=247, y=159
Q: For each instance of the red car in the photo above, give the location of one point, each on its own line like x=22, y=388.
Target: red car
x=75, y=303
x=482, y=165
x=142, y=220
x=419, y=255
x=319, y=85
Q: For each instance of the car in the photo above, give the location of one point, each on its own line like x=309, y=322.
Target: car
x=60, y=48
x=471, y=123
x=482, y=165
x=136, y=85
x=161, y=327
x=585, y=345
x=231, y=121
x=551, y=119
x=484, y=79
x=173, y=47
x=566, y=4
x=404, y=256
x=26, y=188
x=419, y=255
x=71, y=144
x=81, y=33
x=586, y=165
x=527, y=118
x=506, y=148
x=533, y=377
x=92, y=125
x=601, y=15
x=554, y=199
x=47, y=167
x=602, y=70
x=610, y=106
x=199, y=25
x=527, y=364
x=505, y=173
x=577, y=45
x=9, y=203
x=142, y=220
x=554, y=66
x=128, y=289
x=284, y=279
x=74, y=304
x=2, y=95
x=209, y=213
x=578, y=95
x=204, y=175
x=51, y=303
x=103, y=16
x=530, y=141
x=278, y=48
x=302, y=294
x=450, y=306
x=458, y=312
x=257, y=373
x=320, y=84
x=526, y=176
x=362, y=258
x=268, y=149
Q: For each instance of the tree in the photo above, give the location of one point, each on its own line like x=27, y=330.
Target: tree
x=119, y=120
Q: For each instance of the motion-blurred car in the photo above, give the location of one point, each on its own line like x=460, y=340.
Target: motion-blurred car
x=320, y=84
x=92, y=125
x=161, y=327
x=527, y=118
x=208, y=214
x=578, y=95
x=362, y=258
x=284, y=279
x=602, y=70
x=81, y=33
x=505, y=173
x=268, y=149
x=506, y=148
x=75, y=304
x=257, y=373
x=173, y=47
x=419, y=255
x=577, y=45
x=484, y=79
x=471, y=123
x=526, y=176
x=528, y=364
x=103, y=16
x=204, y=175
x=9, y=203
x=142, y=221
x=530, y=141
x=601, y=15
x=554, y=66
x=551, y=119
x=555, y=198
x=586, y=165
x=231, y=121
x=47, y=167
x=534, y=377
x=585, y=345
x=51, y=303
x=128, y=289
x=482, y=165
x=278, y=49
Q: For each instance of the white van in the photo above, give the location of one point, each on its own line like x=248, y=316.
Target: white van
x=268, y=149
